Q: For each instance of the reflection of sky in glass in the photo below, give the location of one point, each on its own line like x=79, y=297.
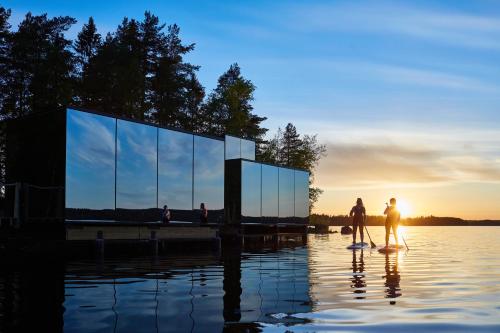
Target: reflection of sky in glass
x=175, y=169
x=269, y=190
x=208, y=172
x=248, y=149
x=286, y=192
x=250, y=189
x=90, y=161
x=232, y=145
x=301, y=194
x=136, y=166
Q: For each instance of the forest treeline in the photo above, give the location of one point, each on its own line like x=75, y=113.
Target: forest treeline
x=341, y=220
x=138, y=71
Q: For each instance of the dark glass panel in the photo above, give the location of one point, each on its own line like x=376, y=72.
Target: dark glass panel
x=232, y=146
x=209, y=176
x=175, y=170
x=301, y=194
x=269, y=193
x=136, y=167
x=250, y=191
x=286, y=193
x=90, y=162
x=248, y=149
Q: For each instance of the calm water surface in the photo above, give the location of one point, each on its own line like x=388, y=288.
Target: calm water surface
x=448, y=281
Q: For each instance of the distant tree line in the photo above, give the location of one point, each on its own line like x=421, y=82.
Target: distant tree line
x=137, y=71
x=377, y=220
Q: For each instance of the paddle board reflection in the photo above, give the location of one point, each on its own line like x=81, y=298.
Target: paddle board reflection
x=358, y=277
x=392, y=277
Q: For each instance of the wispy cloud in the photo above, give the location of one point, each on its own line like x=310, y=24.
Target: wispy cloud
x=379, y=165
x=437, y=25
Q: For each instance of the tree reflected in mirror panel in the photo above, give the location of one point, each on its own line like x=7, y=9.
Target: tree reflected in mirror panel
x=175, y=170
x=286, y=193
x=233, y=149
x=301, y=194
x=90, y=166
x=248, y=149
x=136, y=184
x=269, y=193
x=250, y=191
x=209, y=176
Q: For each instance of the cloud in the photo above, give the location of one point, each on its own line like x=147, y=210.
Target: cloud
x=433, y=24
x=92, y=139
x=377, y=165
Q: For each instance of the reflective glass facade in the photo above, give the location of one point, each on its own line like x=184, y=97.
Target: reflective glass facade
x=90, y=161
x=262, y=193
x=232, y=147
x=208, y=179
x=136, y=166
x=248, y=149
x=239, y=148
x=126, y=171
x=250, y=190
x=301, y=194
x=286, y=193
x=175, y=169
x=269, y=192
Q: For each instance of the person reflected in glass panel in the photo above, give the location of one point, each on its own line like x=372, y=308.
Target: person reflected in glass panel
x=203, y=214
x=358, y=213
x=165, y=215
x=392, y=221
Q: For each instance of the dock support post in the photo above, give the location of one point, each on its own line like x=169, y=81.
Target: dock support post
x=17, y=206
x=154, y=243
x=99, y=243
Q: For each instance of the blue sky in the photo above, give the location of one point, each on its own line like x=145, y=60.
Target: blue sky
x=404, y=94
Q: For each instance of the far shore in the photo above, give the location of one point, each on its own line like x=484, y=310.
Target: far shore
x=341, y=220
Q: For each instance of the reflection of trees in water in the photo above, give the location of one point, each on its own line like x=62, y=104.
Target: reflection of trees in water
x=358, y=276
x=392, y=278
x=205, y=295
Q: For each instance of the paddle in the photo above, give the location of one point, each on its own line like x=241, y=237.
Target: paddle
x=405, y=242
x=371, y=242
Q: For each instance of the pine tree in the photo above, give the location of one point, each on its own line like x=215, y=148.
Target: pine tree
x=5, y=44
x=87, y=45
x=172, y=82
x=229, y=107
x=40, y=75
x=288, y=148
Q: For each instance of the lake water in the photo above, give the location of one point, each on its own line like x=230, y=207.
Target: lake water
x=449, y=281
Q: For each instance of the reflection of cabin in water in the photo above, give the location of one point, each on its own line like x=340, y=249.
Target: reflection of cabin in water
x=83, y=170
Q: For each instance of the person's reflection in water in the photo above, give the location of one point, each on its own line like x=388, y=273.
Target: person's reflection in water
x=358, y=276
x=392, y=278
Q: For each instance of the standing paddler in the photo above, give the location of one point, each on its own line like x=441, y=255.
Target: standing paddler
x=392, y=221
x=359, y=213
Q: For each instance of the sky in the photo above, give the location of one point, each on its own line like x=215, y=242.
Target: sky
x=405, y=95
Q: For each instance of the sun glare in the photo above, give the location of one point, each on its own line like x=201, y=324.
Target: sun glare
x=404, y=208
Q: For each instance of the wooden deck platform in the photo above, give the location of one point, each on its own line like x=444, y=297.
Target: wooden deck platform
x=89, y=230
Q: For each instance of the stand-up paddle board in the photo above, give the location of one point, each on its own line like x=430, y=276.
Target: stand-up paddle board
x=391, y=248
x=358, y=245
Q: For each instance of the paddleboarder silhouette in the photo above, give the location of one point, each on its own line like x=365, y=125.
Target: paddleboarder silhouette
x=392, y=221
x=359, y=213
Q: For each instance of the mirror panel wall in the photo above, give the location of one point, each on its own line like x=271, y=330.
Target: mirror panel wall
x=90, y=166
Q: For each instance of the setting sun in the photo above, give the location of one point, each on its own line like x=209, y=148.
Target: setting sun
x=404, y=208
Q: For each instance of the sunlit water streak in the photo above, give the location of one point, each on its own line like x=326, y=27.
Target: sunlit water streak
x=449, y=280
